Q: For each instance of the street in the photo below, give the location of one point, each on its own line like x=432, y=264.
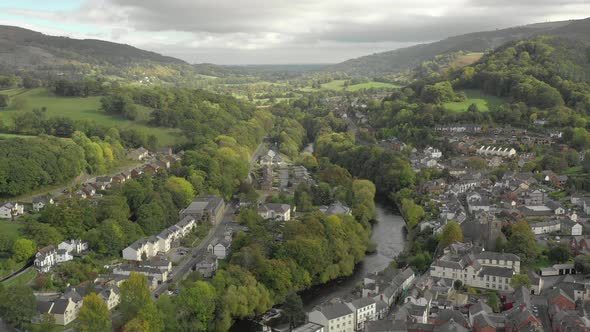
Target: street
x=197, y=253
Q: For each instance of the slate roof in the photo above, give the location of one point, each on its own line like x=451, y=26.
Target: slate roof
x=497, y=271
x=336, y=310
x=363, y=302
x=498, y=256
x=479, y=307
x=60, y=306
x=277, y=207
x=450, y=326
x=446, y=315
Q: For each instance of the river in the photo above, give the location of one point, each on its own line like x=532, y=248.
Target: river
x=388, y=233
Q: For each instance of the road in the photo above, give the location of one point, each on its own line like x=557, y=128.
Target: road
x=197, y=253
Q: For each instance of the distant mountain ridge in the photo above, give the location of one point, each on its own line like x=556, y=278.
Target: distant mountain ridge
x=399, y=60
x=26, y=48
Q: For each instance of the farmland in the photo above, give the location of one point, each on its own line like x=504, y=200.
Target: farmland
x=338, y=85
x=483, y=101
x=76, y=108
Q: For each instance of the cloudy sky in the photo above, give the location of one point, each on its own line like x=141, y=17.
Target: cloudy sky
x=278, y=31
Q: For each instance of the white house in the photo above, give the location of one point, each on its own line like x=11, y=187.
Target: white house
x=111, y=296
x=62, y=255
x=73, y=246
x=45, y=259
x=364, y=310
x=10, y=210
x=570, y=227
x=545, y=227
x=275, y=211
x=40, y=202
x=142, y=248
x=335, y=318
x=220, y=249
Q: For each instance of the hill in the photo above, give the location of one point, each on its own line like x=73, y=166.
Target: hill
x=26, y=48
x=392, y=62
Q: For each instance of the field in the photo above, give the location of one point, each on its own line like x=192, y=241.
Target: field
x=10, y=228
x=78, y=109
x=483, y=101
x=22, y=279
x=466, y=60
x=338, y=85
x=5, y=136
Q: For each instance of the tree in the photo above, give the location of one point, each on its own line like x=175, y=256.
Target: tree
x=18, y=305
x=559, y=253
x=3, y=101
x=94, y=315
x=196, y=305
x=457, y=284
x=451, y=233
x=135, y=294
x=23, y=249
x=293, y=310
x=520, y=280
x=493, y=301
x=182, y=191
x=522, y=240
x=412, y=212
x=47, y=323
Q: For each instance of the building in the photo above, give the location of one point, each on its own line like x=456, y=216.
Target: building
x=45, y=259
x=219, y=249
x=545, y=227
x=157, y=274
x=476, y=268
x=75, y=247
x=335, y=318
x=40, y=202
x=275, y=211
x=570, y=227
x=138, y=154
x=208, y=266
x=111, y=295
x=364, y=311
x=206, y=208
x=141, y=249
x=10, y=210
x=387, y=285
x=64, y=309
x=309, y=327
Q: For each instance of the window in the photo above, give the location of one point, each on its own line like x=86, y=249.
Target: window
x=494, y=279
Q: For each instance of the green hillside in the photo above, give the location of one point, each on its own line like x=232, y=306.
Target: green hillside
x=77, y=108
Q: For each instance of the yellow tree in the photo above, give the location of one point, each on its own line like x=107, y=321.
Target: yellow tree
x=94, y=315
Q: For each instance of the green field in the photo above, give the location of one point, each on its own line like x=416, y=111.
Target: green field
x=5, y=136
x=79, y=109
x=22, y=279
x=10, y=228
x=338, y=85
x=483, y=101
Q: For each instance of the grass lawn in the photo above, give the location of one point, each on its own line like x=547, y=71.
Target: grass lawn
x=10, y=228
x=483, y=101
x=466, y=60
x=6, y=136
x=338, y=85
x=77, y=108
x=22, y=279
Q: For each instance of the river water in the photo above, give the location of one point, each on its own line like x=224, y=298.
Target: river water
x=388, y=233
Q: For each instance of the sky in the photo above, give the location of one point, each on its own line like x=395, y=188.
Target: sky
x=278, y=31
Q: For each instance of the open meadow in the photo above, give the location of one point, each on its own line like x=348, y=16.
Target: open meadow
x=483, y=101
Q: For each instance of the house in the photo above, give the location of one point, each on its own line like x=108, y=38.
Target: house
x=477, y=201
x=64, y=309
x=40, y=202
x=275, y=211
x=62, y=255
x=136, y=172
x=336, y=208
x=140, y=249
x=118, y=179
x=522, y=319
x=536, y=197
x=208, y=266
x=151, y=272
x=219, y=249
x=580, y=244
x=570, y=227
x=74, y=246
x=309, y=327
x=336, y=317
x=206, y=208
x=388, y=284
x=558, y=270
x=556, y=208
x=111, y=295
x=364, y=311
x=476, y=268
x=138, y=154
x=165, y=151
x=545, y=227
x=10, y=210
x=89, y=190
x=561, y=299
x=477, y=309
x=45, y=259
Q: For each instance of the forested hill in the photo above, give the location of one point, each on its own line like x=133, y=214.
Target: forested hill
x=392, y=62
x=25, y=48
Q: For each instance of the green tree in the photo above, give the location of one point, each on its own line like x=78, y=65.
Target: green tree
x=520, y=280
x=42, y=234
x=412, y=212
x=196, y=305
x=522, y=240
x=4, y=101
x=23, y=249
x=135, y=294
x=94, y=315
x=18, y=305
x=293, y=310
x=47, y=323
x=559, y=253
x=182, y=191
x=451, y=233
x=494, y=301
